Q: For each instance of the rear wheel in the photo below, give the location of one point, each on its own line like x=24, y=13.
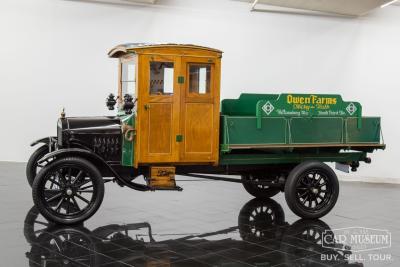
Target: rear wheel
x=68, y=190
x=311, y=189
x=259, y=191
x=32, y=167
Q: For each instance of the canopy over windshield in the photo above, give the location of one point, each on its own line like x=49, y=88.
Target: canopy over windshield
x=123, y=49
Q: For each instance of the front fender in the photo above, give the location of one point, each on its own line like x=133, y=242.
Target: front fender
x=45, y=140
x=72, y=152
x=88, y=154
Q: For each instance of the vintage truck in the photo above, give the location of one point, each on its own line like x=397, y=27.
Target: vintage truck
x=170, y=121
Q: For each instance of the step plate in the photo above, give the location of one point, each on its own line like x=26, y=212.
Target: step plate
x=162, y=178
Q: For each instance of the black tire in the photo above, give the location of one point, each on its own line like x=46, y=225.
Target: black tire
x=309, y=236
x=34, y=225
x=314, y=233
x=308, y=230
x=260, y=219
x=32, y=166
x=59, y=187
x=311, y=189
x=259, y=191
x=64, y=246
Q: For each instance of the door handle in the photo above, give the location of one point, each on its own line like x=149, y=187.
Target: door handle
x=146, y=107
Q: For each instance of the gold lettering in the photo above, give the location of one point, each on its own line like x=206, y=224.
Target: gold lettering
x=289, y=99
x=313, y=99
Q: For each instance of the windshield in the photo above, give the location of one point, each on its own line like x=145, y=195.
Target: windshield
x=128, y=78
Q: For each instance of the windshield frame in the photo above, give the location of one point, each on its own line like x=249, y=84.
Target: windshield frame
x=123, y=60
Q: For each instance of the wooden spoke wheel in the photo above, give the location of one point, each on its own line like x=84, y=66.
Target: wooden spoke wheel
x=311, y=190
x=68, y=190
x=259, y=191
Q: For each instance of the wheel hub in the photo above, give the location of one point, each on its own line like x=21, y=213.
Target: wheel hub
x=314, y=190
x=69, y=192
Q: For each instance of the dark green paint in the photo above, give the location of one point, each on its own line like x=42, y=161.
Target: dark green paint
x=127, y=146
x=315, y=130
x=245, y=105
x=179, y=138
x=248, y=159
x=181, y=79
x=369, y=133
x=318, y=119
x=308, y=106
x=241, y=130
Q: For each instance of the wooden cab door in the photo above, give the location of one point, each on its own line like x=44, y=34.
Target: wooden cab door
x=158, y=108
x=200, y=109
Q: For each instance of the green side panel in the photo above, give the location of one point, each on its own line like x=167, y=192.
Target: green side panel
x=245, y=105
x=241, y=130
x=316, y=130
x=308, y=105
x=369, y=133
x=245, y=159
x=268, y=119
x=127, y=146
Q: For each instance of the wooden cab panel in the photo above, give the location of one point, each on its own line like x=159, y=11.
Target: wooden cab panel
x=198, y=130
x=160, y=122
x=200, y=108
x=158, y=109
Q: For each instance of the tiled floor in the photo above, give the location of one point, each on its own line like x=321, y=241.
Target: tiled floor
x=208, y=224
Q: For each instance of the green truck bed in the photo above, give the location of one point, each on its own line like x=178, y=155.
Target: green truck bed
x=294, y=121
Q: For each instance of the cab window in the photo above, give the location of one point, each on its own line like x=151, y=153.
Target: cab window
x=128, y=78
x=199, y=78
x=161, y=78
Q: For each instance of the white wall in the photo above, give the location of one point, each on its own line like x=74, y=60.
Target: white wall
x=53, y=54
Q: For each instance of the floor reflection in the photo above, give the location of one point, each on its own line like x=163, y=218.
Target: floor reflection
x=261, y=238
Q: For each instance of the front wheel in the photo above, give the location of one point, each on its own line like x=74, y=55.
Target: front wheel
x=311, y=189
x=68, y=190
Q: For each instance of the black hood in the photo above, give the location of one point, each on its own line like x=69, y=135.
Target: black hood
x=92, y=124
x=99, y=134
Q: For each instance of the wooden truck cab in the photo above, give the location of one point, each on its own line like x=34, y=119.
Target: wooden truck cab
x=178, y=101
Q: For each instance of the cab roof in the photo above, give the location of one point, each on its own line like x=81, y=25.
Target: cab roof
x=123, y=49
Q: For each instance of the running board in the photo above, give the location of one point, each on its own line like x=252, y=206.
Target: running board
x=232, y=180
x=176, y=188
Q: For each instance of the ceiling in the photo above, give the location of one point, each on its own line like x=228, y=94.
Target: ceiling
x=125, y=2
x=352, y=8
x=338, y=7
